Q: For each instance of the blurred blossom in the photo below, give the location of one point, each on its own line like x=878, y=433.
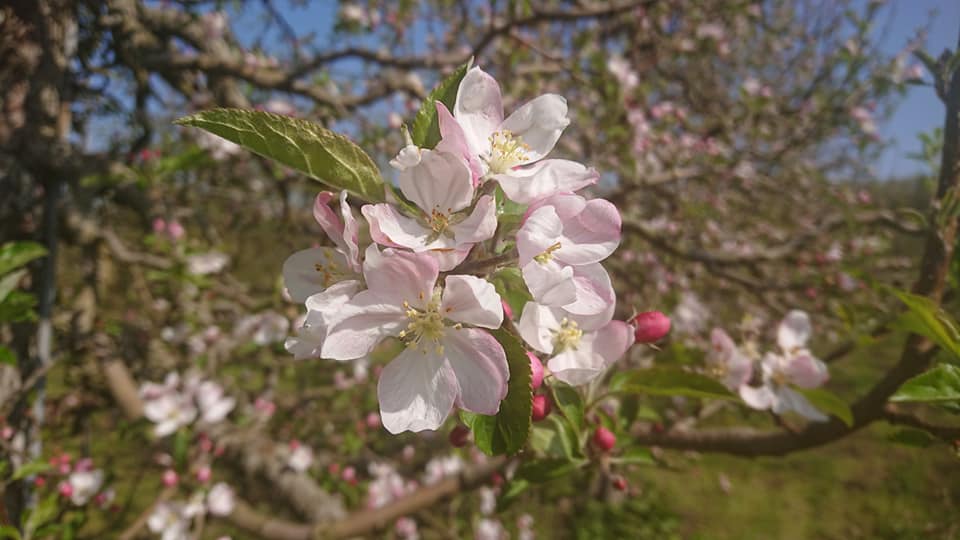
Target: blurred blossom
x=488, y=500
x=263, y=328
x=394, y=120
x=175, y=230
x=441, y=467
x=214, y=24
x=84, y=485
x=221, y=500
x=711, y=31
x=525, y=527
x=489, y=529
x=386, y=485
x=620, y=69
x=300, y=458
x=219, y=148
x=406, y=528
x=691, y=315
x=170, y=521
x=214, y=405
x=279, y=106
x=207, y=263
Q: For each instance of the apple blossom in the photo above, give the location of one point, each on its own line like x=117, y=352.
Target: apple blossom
x=512, y=150
x=581, y=347
x=794, y=366
x=220, y=499
x=207, y=263
x=169, y=412
x=726, y=362
x=489, y=529
x=441, y=467
x=213, y=404
x=650, y=326
x=441, y=187
x=444, y=362
x=170, y=520
x=406, y=528
x=170, y=478
x=300, y=458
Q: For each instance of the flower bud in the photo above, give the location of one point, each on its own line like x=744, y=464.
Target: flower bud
x=650, y=326
x=39, y=481
x=619, y=483
x=604, y=439
x=170, y=478
x=541, y=408
x=459, y=436
x=65, y=489
x=203, y=474
x=507, y=310
x=536, y=371
x=349, y=475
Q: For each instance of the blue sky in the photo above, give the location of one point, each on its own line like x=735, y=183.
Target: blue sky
x=919, y=112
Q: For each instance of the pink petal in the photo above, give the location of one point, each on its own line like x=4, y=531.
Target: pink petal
x=610, y=342
x=448, y=259
x=759, y=398
x=593, y=291
x=416, y=390
x=351, y=233
x=471, y=300
x=541, y=230
x=794, y=330
x=592, y=235
x=441, y=182
x=479, y=225
x=478, y=109
x=453, y=140
x=481, y=369
x=545, y=178
x=326, y=217
x=550, y=283
x=388, y=227
x=364, y=321
x=805, y=371
x=539, y=123
x=400, y=276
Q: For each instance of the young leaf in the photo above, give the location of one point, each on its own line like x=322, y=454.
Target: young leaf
x=426, y=129
x=913, y=437
x=665, y=381
x=942, y=383
x=542, y=470
x=305, y=146
x=828, y=403
x=507, y=431
x=567, y=399
x=636, y=456
x=510, y=286
x=927, y=319
x=30, y=469
x=9, y=282
x=16, y=254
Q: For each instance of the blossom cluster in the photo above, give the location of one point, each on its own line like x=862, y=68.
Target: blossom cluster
x=171, y=405
x=781, y=374
x=173, y=520
x=415, y=267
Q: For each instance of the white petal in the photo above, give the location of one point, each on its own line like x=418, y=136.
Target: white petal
x=536, y=326
x=610, y=342
x=351, y=234
x=794, y=330
x=545, y=178
x=550, y=283
x=408, y=156
x=366, y=320
x=539, y=123
x=454, y=140
x=388, y=227
x=310, y=271
x=441, y=182
x=328, y=220
x=541, y=230
x=480, y=225
x=481, y=368
x=471, y=300
x=759, y=398
x=478, y=109
x=448, y=259
x=400, y=275
x=576, y=367
x=590, y=236
x=416, y=391
x=594, y=294
x=791, y=400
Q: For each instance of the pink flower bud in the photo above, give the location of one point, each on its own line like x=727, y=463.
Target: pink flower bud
x=170, y=478
x=7, y=432
x=64, y=468
x=204, y=474
x=619, y=483
x=650, y=326
x=39, y=481
x=333, y=469
x=541, y=408
x=175, y=230
x=604, y=439
x=459, y=436
x=85, y=464
x=373, y=420
x=65, y=489
x=536, y=371
x=159, y=225
x=349, y=475
x=507, y=310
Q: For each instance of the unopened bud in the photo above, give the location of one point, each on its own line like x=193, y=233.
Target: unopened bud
x=536, y=371
x=604, y=439
x=203, y=474
x=541, y=408
x=619, y=483
x=170, y=478
x=507, y=310
x=459, y=436
x=65, y=489
x=650, y=326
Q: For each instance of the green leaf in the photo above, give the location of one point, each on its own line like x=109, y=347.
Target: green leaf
x=181, y=446
x=513, y=490
x=426, y=129
x=667, y=381
x=7, y=356
x=43, y=513
x=829, y=403
x=9, y=282
x=17, y=307
x=913, y=437
x=305, y=146
x=9, y=532
x=568, y=400
x=30, y=469
x=942, y=383
x=510, y=286
x=16, y=254
x=508, y=430
x=555, y=438
x=929, y=320
x=542, y=470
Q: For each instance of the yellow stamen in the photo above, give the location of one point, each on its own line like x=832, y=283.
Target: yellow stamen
x=547, y=254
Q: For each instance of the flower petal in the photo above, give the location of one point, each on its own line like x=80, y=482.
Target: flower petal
x=480, y=225
x=592, y=235
x=576, y=367
x=478, y=109
x=448, y=259
x=550, y=283
x=390, y=228
x=351, y=234
x=310, y=271
x=794, y=330
x=397, y=276
x=471, y=300
x=759, y=398
x=806, y=371
x=593, y=291
x=540, y=231
x=416, y=391
x=364, y=321
x=327, y=219
x=610, y=342
x=537, y=325
x=789, y=399
x=454, y=140
x=545, y=178
x=480, y=365
x=441, y=182
x=539, y=122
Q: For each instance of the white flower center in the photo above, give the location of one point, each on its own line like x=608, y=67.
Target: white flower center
x=567, y=337
x=506, y=151
x=425, y=324
x=547, y=254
